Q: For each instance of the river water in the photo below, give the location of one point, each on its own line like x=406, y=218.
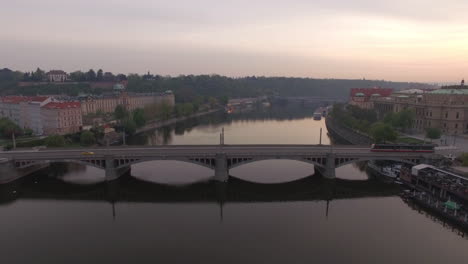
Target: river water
x=274, y=211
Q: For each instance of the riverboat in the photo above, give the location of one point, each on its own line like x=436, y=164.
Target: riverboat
x=317, y=116
x=389, y=172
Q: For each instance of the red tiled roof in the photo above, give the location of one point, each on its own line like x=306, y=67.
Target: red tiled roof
x=19, y=99
x=368, y=92
x=62, y=105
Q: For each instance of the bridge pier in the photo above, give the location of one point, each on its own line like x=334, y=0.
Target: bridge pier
x=329, y=171
x=221, y=168
x=113, y=173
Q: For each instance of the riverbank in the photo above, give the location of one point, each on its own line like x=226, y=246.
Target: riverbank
x=346, y=135
x=161, y=123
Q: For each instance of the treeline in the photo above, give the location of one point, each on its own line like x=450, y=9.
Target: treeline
x=365, y=120
x=77, y=76
x=188, y=87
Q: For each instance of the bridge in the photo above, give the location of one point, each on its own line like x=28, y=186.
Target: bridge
x=221, y=158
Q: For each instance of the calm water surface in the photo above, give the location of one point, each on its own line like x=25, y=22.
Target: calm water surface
x=270, y=211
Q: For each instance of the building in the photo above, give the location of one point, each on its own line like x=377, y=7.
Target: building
x=61, y=118
x=24, y=110
x=445, y=108
x=107, y=104
x=362, y=97
x=57, y=76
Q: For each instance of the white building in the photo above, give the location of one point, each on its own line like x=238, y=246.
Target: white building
x=57, y=76
x=25, y=111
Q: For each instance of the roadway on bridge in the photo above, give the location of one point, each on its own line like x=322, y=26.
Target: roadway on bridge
x=198, y=150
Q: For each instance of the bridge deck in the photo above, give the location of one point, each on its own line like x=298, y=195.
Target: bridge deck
x=200, y=150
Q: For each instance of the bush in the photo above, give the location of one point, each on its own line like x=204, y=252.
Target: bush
x=87, y=138
x=433, y=133
x=55, y=141
x=382, y=132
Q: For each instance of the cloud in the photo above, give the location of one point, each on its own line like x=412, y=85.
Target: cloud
x=322, y=38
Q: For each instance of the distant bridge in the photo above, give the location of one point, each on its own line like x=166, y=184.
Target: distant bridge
x=221, y=158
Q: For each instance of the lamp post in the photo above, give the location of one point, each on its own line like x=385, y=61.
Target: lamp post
x=14, y=139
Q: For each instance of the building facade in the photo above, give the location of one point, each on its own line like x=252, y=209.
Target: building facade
x=59, y=118
x=24, y=111
x=362, y=97
x=107, y=104
x=445, y=109
x=57, y=76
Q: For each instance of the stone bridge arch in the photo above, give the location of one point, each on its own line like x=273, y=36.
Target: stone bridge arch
x=207, y=162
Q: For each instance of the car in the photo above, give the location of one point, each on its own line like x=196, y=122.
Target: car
x=87, y=153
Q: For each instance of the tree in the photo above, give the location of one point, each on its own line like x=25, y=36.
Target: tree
x=224, y=100
x=99, y=76
x=139, y=117
x=403, y=119
x=433, y=133
x=78, y=76
x=165, y=111
x=87, y=138
x=212, y=101
x=7, y=128
x=109, y=77
x=38, y=75
x=121, y=77
x=129, y=126
x=91, y=75
x=382, y=132
x=120, y=112
x=55, y=141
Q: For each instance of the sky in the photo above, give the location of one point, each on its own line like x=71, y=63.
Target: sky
x=400, y=40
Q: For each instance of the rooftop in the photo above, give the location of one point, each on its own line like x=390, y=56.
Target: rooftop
x=62, y=105
x=368, y=92
x=56, y=72
x=19, y=99
x=450, y=91
x=411, y=91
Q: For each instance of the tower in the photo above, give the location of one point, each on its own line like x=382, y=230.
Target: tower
x=463, y=83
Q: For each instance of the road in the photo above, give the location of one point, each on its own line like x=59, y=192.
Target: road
x=200, y=151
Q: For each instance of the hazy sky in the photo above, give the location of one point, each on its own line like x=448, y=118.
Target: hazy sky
x=409, y=40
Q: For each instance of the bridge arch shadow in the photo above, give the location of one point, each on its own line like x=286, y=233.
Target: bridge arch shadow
x=273, y=171
x=171, y=171
x=237, y=162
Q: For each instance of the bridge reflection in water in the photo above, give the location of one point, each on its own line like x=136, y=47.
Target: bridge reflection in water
x=130, y=189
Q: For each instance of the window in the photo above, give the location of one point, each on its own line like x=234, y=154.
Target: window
x=445, y=125
x=446, y=115
x=458, y=115
x=456, y=125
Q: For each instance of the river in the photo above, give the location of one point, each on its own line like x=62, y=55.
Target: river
x=273, y=211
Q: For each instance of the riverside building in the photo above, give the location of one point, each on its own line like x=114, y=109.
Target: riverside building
x=131, y=101
x=445, y=108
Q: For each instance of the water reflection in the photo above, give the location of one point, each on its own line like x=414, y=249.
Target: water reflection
x=171, y=172
x=284, y=125
x=268, y=212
